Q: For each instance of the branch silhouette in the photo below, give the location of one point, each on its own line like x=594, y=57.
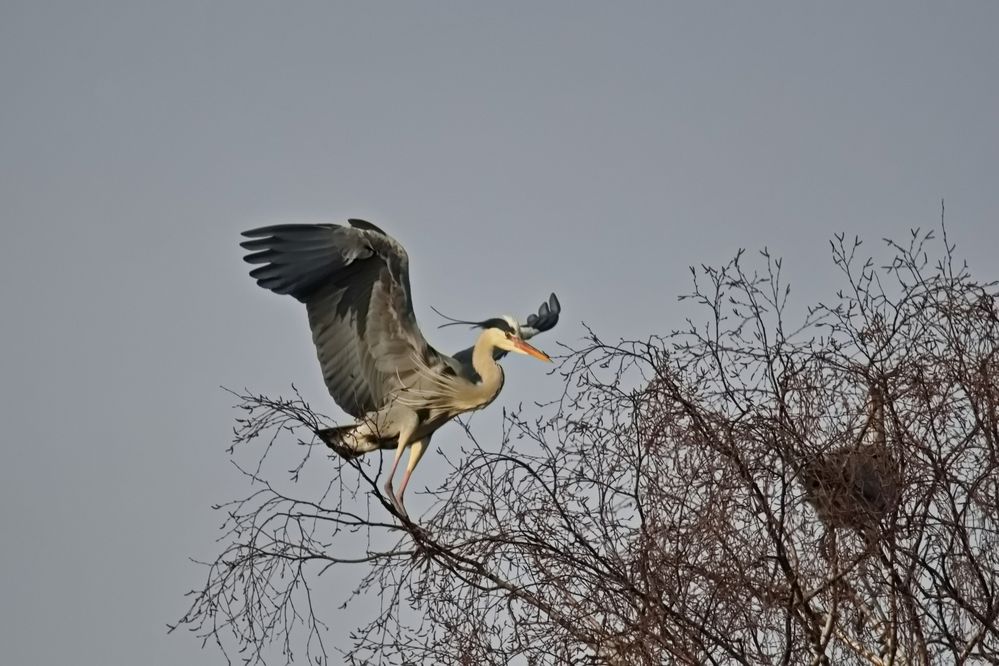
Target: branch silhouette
x=741, y=490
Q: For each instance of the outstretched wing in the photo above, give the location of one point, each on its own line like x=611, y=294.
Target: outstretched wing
x=354, y=281
x=545, y=319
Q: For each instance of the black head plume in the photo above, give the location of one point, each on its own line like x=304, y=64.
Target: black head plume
x=496, y=322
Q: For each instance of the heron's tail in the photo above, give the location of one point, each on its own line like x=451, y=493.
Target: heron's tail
x=347, y=441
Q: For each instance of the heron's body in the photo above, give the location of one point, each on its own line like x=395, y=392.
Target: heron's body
x=472, y=386
x=378, y=367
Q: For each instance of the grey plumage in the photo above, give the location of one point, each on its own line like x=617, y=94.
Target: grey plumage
x=354, y=282
x=376, y=363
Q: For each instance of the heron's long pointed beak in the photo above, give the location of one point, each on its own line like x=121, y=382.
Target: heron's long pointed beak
x=530, y=350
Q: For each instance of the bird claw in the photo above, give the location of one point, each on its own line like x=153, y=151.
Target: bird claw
x=421, y=552
x=396, y=502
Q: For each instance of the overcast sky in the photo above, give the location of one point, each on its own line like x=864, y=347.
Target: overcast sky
x=593, y=149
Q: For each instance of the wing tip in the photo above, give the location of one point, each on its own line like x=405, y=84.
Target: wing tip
x=256, y=232
x=364, y=225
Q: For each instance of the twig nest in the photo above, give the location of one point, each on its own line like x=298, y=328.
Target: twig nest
x=853, y=488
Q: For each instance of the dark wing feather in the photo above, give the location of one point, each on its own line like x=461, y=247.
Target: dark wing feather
x=354, y=281
x=544, y=320
x=299, y=258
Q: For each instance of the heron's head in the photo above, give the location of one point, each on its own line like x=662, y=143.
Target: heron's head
x=504, y=333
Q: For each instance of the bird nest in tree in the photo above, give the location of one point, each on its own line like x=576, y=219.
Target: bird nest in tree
x=852, y=488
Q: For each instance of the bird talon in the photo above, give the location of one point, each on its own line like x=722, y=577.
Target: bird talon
x=399, y=506
x=396, y=501
x=393, y=498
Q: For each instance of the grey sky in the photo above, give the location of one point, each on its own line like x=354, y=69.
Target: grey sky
x=594, y=149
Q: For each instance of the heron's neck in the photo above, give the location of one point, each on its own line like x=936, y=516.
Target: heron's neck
x=485, y=365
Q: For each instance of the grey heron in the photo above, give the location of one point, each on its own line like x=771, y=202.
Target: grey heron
x=377, y=365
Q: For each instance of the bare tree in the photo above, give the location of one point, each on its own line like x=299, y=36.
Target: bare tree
x=741, y=490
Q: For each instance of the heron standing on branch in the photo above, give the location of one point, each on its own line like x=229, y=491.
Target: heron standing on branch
x=354, y=281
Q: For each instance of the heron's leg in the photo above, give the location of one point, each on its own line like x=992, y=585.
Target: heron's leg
x=389, y=490
x=405, y=433
x=415, y=453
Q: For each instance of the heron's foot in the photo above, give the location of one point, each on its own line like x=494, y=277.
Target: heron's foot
x=395, y=499
x=421, y=551
x=400, y=507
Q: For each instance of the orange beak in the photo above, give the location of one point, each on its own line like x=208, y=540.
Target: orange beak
x=531, y=350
